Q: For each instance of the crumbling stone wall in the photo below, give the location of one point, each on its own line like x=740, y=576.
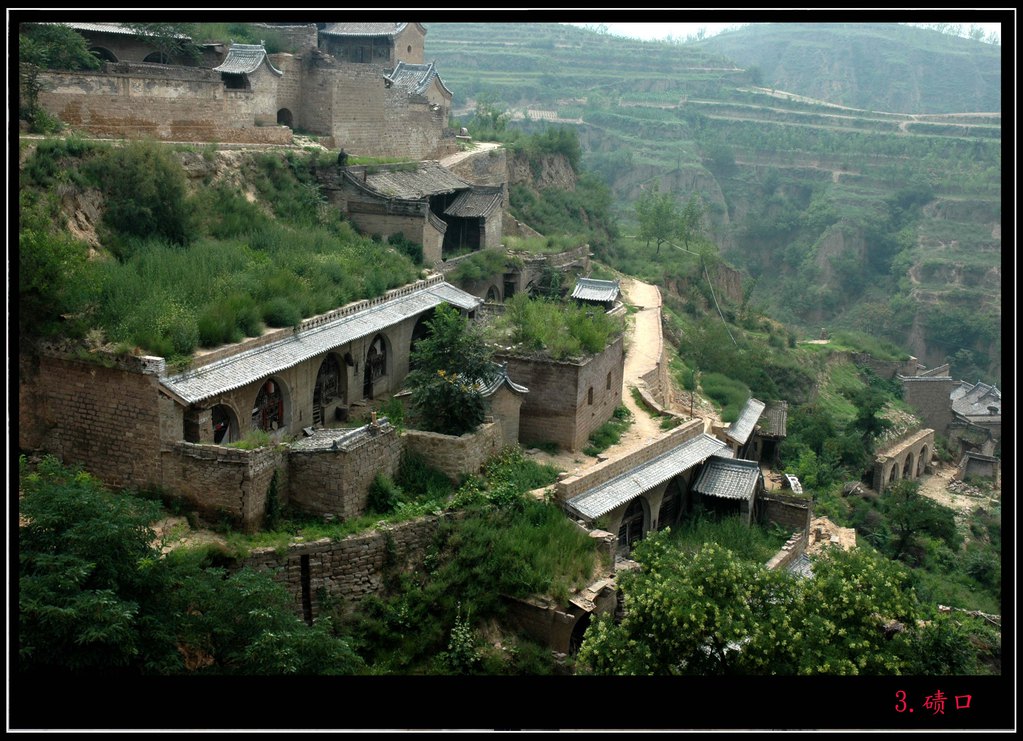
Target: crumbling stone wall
x=338, y=481
x=353, y=568
x=567, y=401
x=790, y=512
x=886, y=368
x=220, y=481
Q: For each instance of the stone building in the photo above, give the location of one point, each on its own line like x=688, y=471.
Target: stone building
x=968, y=415
x=423, y=201
x=115, y=42
x=904, y=458
x=569, y=399
x=133, y=422
x=603, y=293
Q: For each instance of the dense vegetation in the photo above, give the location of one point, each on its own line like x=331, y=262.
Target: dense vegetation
x=554, y=329
x=182, y=266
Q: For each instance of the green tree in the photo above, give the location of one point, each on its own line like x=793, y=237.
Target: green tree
x=659, y=217
x=448, y=367
x=173, y=41
x=43, y=46
x=910, y=514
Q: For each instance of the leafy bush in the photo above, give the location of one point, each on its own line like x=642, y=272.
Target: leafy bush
x=384, y=495
x=610, y=432
x=730, y=394
x=556, y=330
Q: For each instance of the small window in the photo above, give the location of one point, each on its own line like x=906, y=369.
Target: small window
x=608, y=387
x=410, y=48
x=589, y=395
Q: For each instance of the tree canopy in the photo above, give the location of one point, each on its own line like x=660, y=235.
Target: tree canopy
x=663, y=220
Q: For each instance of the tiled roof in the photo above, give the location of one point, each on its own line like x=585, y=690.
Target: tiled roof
x=772, y=421
x=476, y=203
x=729, y=479
x=591, y=289
x=363, y=29
x=499, y=380
x=415, y=78
x=244, y=59
x=248, y=366
x=740, y=429
x=340, y=439
x=115, y=28
x=402, y=182
x=604, y=498
x=974, y=400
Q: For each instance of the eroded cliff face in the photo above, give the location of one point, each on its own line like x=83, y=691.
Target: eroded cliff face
x=545, y=171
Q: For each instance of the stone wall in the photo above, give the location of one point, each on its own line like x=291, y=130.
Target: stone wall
x=350, y=569
x=163, y=102
x=567, y=401
x=324, y=480
x=220, y=481
x=105, y=418
x=790, y=512
x=906, y=458
x=886, y=368
x=453, y=455
x=794, y=547
x=930, y=397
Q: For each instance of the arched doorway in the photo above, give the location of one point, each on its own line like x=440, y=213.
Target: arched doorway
x=893, y=475
x=268, y=411
x=105, y=55
x=907, y=467
x=376, y=365
x=921, y=462
x=419, y=332
x=225, y=425
x=330, y=385
x=493, y=296
x=578, y=633
x=672, y=504
x=633, y=524
x=157, y=57
x=284, y=118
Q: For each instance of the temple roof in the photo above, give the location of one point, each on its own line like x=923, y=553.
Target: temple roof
x=415, y=78
x=363, y=29
x=476, y=203
x=244, y=59
x=249, y=366
x=406, y=181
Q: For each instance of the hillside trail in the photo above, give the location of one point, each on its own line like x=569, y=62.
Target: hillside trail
x=643, y=343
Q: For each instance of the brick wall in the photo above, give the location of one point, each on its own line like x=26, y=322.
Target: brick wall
x=930, y=397
x=105, y=418
x=789, y=512
x=219, y=481
x=557, y=408
x=457, y=455
x=163, y=102
x=338, y=481
x=354, y=567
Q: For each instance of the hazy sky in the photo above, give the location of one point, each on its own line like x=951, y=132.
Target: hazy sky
x=684, y=30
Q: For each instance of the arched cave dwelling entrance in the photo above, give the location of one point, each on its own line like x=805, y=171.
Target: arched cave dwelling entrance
x=375, y=366
x=284, y=118
x=578, y=632
x=493, y=295
x=907, y=466
x=633, y=524
x=419, y=332
x=157, y=57
x=672, y=504
x=331, y=385
x=104, y=55
x=893, y=475
x=921, y=463
x=268, y=411
x=225, y=425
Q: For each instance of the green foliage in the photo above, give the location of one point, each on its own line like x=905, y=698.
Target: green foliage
x=43, y=46
x=412, y=250
x=479, y=265
x=384, y=495
x=910, y=515
x=610, y=432
x=448, y=367
x=730, y=394
x=714, y=613
x=556, y=330
x=586, y=211
x=145, y=195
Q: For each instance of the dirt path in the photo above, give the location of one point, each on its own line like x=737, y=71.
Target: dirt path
x=454, y=159
x=935, y=487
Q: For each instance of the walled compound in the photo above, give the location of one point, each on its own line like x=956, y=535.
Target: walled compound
x=362, y=85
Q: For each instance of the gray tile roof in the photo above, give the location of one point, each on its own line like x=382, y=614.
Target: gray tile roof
x=774, y=418
x=404, y=182
x=591, y=289
x=476, y=203
x=415, y=78
x=244, y=59
x=115, y=28
x=363, y=29
x=248, y=366
x=604, y=498
x=499, y=380
x=742, y=427
x=974, y=400
x=729, y=479
x=340, y=439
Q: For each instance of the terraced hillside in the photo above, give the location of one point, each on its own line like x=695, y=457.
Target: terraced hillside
x=860, y=211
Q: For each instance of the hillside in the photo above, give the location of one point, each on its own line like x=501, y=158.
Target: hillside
x=884, y=199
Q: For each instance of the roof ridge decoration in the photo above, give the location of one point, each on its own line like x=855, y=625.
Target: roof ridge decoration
x=415, y=78
x=364, y=29
x=244, y=59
